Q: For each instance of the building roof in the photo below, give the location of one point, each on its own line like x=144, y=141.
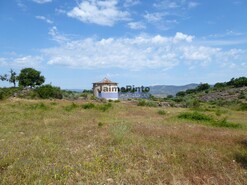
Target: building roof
x=105, y=81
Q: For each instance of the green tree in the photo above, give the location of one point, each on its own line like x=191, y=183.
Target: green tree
x=203, y=87
x=181, y=93
x=30, y=77
x=13, y=77
x=219, y=85
x=4, y=77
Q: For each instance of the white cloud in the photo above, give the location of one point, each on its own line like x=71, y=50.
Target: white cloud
x=128, y=3
x=175, y=4
x=44, y=19
x=154, y=17
x=28, y=61
x=136, y=25
x=22, y=61
x=57, y=36
x=99, y=12
x=166, y=4
x=192, y=4
x=3, y=61
x=143, y=51
x=180, y=36
x=42, y=1
x=21, y=5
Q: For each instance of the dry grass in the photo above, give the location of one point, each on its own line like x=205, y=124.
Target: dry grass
x=60, y=142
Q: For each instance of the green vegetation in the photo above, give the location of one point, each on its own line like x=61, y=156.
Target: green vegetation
x=11, y=78
x=147, y=103
x=162, y=112
x=88, y=106
x=64, y=142
x=48, y=91
x=84, y=140
x=30, y=77
x=104, y=107
x=207, y=119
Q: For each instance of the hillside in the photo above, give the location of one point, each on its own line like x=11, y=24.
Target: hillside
x=165, y=90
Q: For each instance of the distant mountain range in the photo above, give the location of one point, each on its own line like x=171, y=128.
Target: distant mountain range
x=165, y=90
x=161, y=90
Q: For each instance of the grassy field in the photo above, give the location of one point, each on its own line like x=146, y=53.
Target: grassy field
x=64, y=142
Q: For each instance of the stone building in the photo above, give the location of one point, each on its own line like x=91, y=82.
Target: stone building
x=106, y=89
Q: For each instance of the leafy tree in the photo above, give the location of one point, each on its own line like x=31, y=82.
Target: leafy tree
x=203, y=87
x=13, y=77
x=30, y=77
x=219, y=85
x=4, y=77
x=181, y=93
x=240, y=82
x=190, y=91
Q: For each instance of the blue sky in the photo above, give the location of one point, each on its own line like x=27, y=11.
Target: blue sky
x=133, y=42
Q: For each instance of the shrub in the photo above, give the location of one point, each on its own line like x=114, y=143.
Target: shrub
x=243, y=107
x=169, y=97
x=88, y=106
x=162, y=112
x=225, y=123
x=181, y=93
x=40, y=106
x=141, y=103
x=202, y=87
x=1, y=94
x=49, y=91
x=100, y=124
x=8, y=92
x=219, y=85
x=199, y=117
x=195, y=116
x=147, y=103
x=104, y=107
x=71, y=107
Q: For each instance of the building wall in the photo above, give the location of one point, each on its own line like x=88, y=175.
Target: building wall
x=106, y=91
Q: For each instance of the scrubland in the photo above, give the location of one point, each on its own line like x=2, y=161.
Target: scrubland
x=88, y=142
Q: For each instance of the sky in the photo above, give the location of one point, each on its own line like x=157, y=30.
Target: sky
x=74, y=43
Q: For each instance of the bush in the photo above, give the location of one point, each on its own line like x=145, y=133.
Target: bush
x=161, y=112
x=202, y=87
x=141, y=103
x=49, y=91
x=40, y=106
x=199, y=117
x=8, y=92
x=243, y=107
x=104, y=107
x=1, y=94
x=225, y=123
x=195, y=116
x=100, y=124
x=181, y=93
x=70, y=107
x=219, y=85
x=147, y=103
x=88, y=106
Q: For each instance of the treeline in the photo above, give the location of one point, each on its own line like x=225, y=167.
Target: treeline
x=29, y=85
x=234, y=82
